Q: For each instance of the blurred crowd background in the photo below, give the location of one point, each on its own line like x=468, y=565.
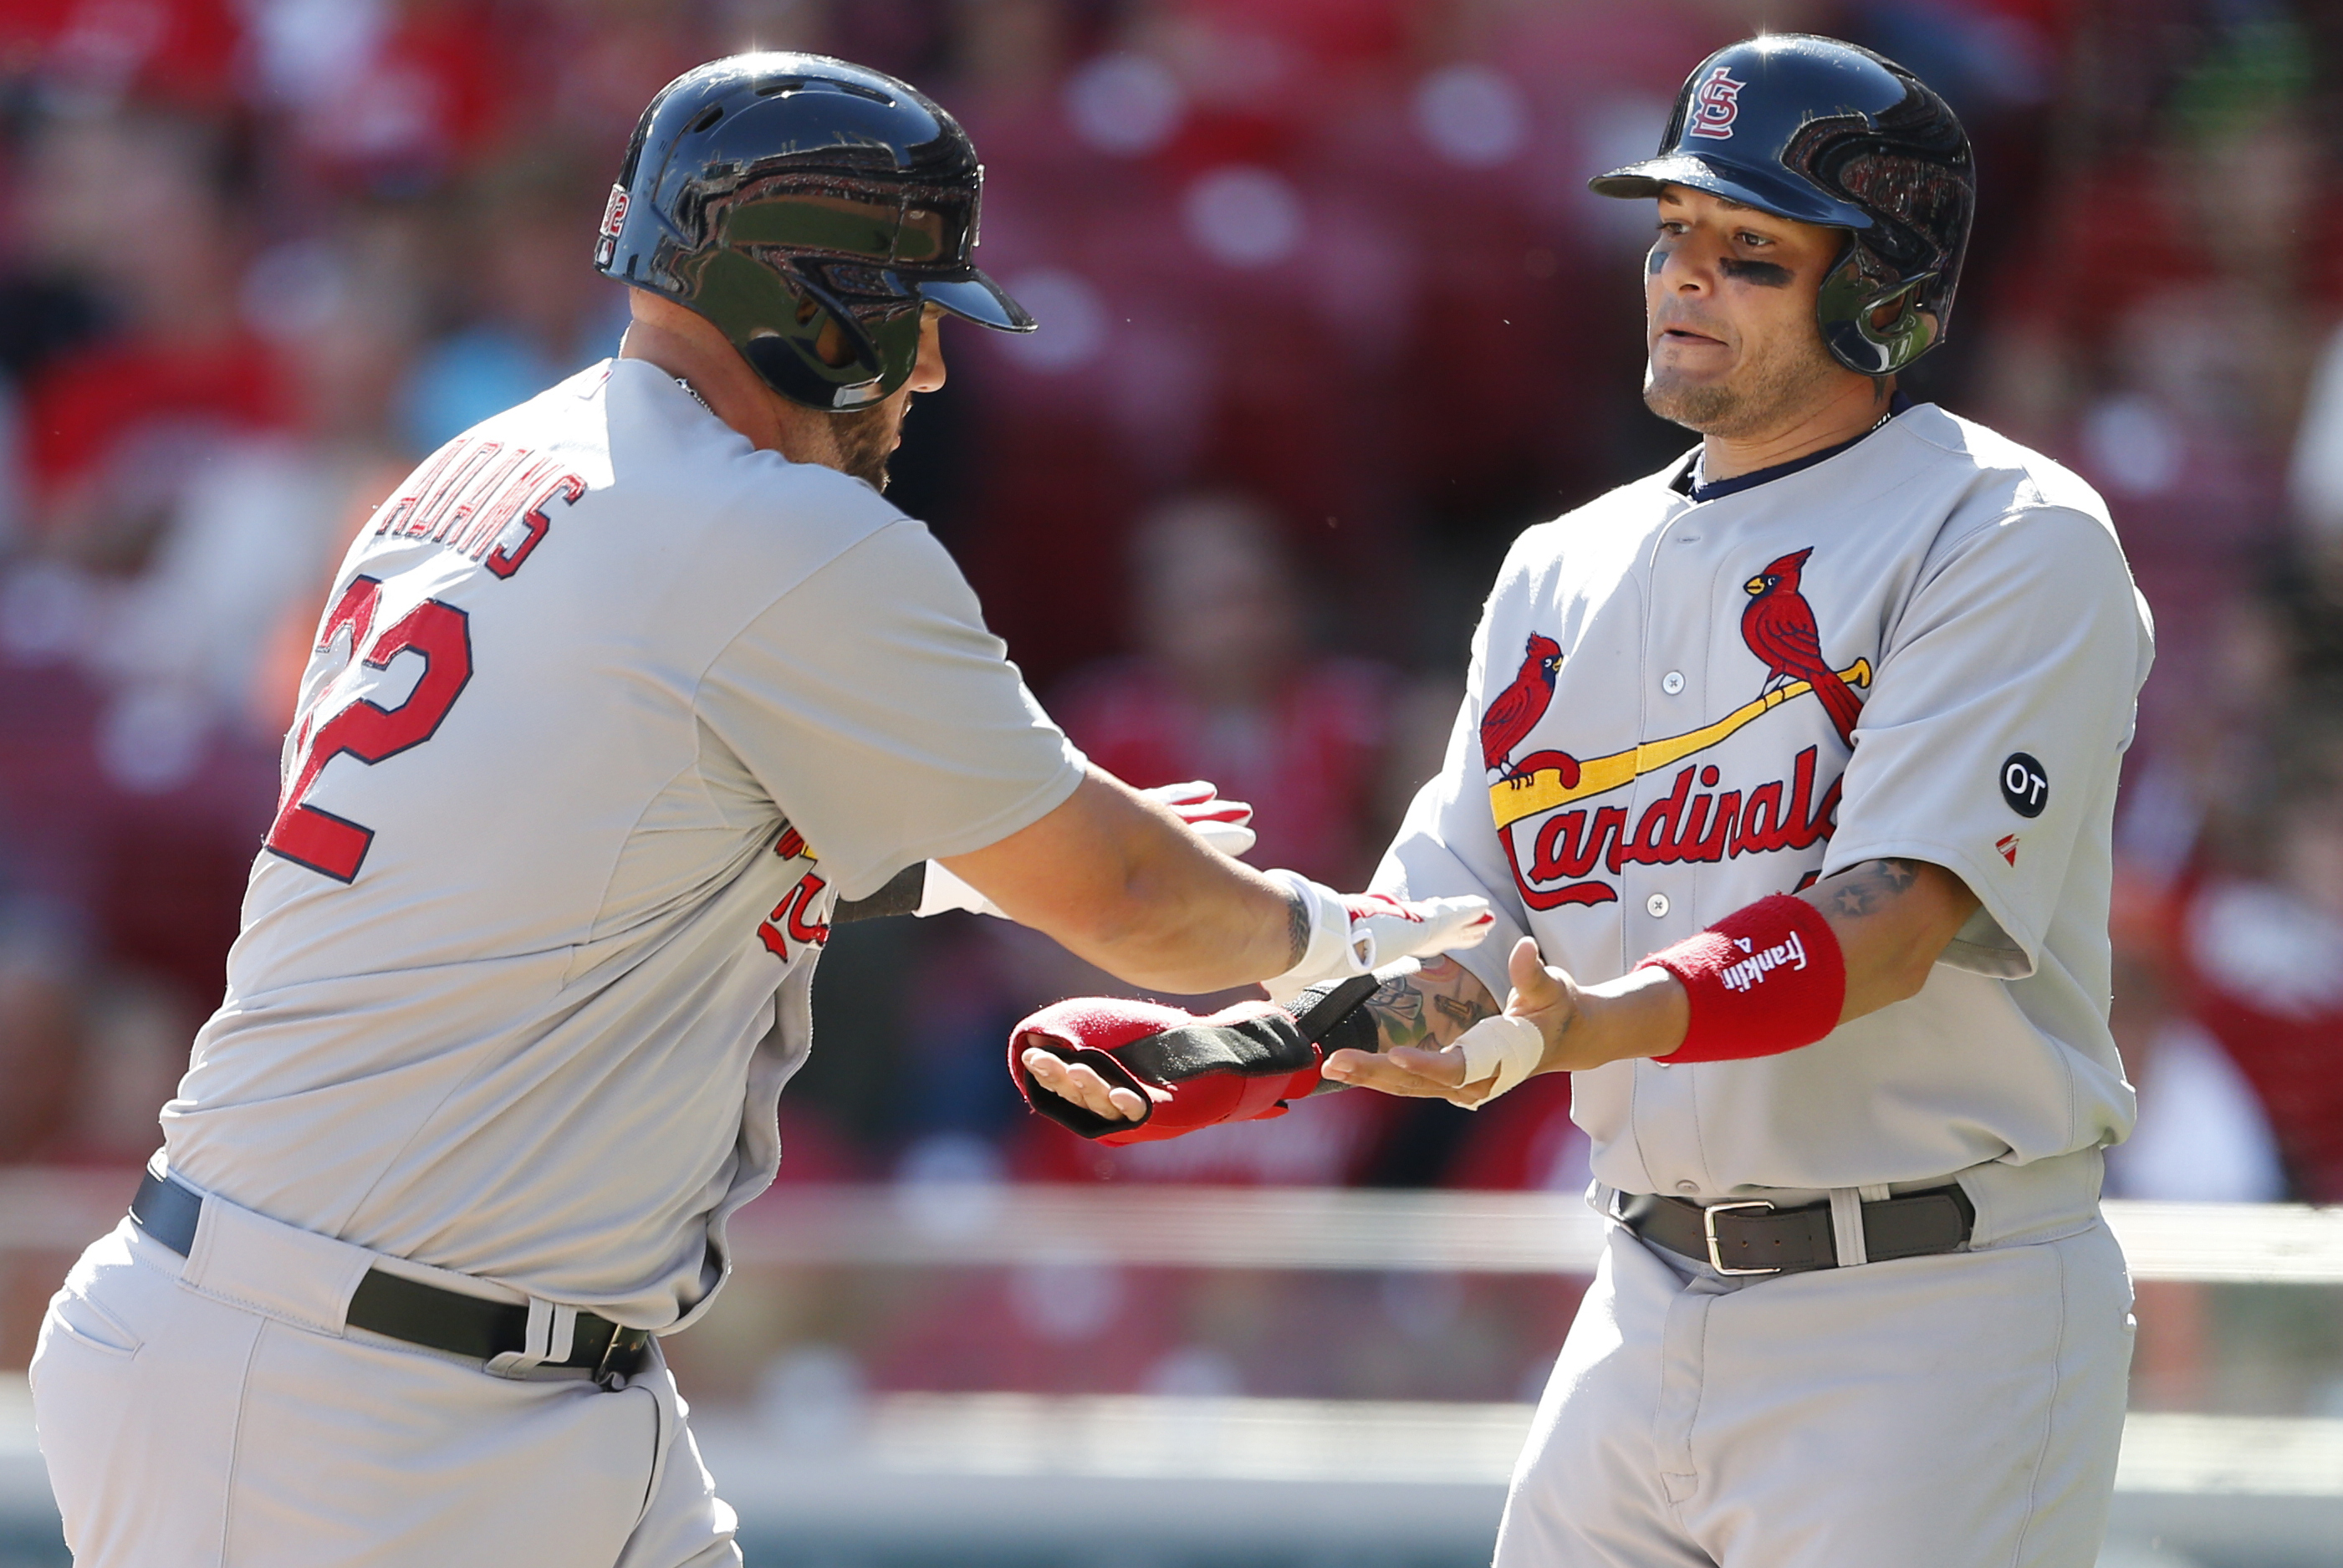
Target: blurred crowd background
x=1328, y=315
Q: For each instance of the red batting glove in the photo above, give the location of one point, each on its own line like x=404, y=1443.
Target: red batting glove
x=1240, y=1064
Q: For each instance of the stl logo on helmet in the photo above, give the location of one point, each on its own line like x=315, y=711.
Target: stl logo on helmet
x=1716, y=103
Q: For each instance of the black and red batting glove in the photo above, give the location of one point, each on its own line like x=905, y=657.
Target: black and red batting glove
x=1242, y=1063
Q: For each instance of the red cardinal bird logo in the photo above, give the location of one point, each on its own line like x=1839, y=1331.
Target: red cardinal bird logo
x=1779, y=627
x=1509, y=719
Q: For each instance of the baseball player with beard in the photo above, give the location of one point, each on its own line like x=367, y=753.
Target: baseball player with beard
x=613, y=703
x=1791, y=770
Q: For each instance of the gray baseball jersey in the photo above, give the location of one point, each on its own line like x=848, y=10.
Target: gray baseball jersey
x=608, y=710
x=1925, y=646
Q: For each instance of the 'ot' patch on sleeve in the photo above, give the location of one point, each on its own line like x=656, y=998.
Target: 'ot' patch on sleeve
x=2024, y=785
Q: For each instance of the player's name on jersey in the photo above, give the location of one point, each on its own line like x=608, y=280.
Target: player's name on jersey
x=480, y=498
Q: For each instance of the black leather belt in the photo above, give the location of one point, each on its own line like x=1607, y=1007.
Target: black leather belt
x=417, y=1314
x=1756, y=1238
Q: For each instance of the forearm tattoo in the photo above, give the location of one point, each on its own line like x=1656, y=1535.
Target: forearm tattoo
x=1297, y=928
x=1869, y=888
x=1429, y=1008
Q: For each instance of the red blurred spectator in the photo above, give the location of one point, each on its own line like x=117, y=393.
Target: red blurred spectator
x=1225, y=687
x=2267, y=959
x=145, y=208
x=395, y=96
x=102, y=52
x=132, y=810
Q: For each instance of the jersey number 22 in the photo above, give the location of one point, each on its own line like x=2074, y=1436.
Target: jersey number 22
x=335, y=846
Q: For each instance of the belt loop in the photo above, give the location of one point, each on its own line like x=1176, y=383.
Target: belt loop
x=549, y=1337
x=1847, y=1227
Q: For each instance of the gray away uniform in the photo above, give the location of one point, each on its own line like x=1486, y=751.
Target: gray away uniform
x=645, y=703
x=1970, y=599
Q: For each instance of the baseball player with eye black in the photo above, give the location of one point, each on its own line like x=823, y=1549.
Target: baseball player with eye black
x=1791, y=771
x=625, y=697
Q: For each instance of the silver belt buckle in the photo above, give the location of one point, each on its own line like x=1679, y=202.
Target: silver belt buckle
x=1709, y=1228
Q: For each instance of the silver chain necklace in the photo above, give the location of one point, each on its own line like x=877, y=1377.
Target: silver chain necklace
x=694, y=393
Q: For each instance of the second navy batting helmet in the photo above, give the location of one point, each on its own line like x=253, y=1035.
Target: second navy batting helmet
x=775, y=194
x=1827, y=133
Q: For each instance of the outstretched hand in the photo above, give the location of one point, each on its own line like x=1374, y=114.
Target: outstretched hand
x=1083, y=1084
x=1544, y=996
x=1641, y=1013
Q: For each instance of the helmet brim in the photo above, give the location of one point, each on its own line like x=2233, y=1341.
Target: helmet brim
x=975, y=297
x=1777, y=193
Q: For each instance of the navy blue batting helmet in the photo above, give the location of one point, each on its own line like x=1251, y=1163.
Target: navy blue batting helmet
x=775, y=194
x=1829, y=133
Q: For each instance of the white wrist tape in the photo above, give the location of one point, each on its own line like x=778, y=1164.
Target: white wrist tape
x=1328, y=954
x=1509, y=1046
x=1351, y=935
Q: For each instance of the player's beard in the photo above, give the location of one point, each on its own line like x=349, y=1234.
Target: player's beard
x=1753, y=395
x=867, y=438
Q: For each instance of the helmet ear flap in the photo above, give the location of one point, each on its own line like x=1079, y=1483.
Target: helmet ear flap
x=818, y=311
x=791, y=359
x=1847, y=308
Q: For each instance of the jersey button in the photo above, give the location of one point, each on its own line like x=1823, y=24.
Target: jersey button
x=1657, y=904
x=1672, y=683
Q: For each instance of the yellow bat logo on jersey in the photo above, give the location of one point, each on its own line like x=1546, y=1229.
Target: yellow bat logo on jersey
x=1549, y=778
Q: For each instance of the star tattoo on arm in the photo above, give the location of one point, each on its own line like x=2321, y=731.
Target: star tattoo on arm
x=1870, y=887
x=1893, y=920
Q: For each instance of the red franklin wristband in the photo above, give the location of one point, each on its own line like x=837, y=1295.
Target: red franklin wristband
x=1767, y=978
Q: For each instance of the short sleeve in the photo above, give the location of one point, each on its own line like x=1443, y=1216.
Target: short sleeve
x=885, y=721
x=1997, y=724
x=1447, y=845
